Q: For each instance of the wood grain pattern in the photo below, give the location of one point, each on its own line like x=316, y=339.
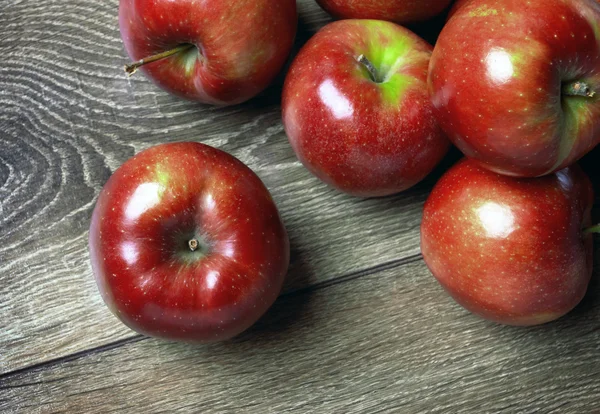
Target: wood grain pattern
x=361, y=326
x=388, y=341
x=69, y=117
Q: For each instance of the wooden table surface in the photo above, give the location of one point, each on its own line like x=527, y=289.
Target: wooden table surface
x=361, y=325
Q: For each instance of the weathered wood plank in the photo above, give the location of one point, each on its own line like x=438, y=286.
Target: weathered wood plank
x=69, y=117
x=362, y=326
x=390, y=341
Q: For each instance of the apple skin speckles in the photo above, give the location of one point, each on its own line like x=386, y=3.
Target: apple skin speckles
x=508, y=249
x=239, y=46
x=158, y=204
x=364, y=136
x=513, y=115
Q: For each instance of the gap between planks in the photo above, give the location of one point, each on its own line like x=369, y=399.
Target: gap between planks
x=137, y=337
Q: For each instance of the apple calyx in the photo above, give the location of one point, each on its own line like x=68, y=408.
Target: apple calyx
x=362, y=59
x=591, y=230
x=131, y=68
x=193, y=244
x=578, y=88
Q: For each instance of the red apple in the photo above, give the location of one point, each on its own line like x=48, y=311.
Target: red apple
x=516, y=85
x=399, y=11
x=356, y=109
x=217, y=51
x=512, y=250
x=187, y=244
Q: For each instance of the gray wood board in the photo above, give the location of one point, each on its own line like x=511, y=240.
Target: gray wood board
x=387, y=341
x=361, y=325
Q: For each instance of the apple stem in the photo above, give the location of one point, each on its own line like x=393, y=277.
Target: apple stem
x=131, y=68
x=578, y=88
x=193, y=245
x=593, y=229
x=370, y=68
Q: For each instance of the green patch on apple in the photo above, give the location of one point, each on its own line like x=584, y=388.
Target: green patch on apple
x=483, y=11
x=577, y=112
x=394, y=87
x=188, y=58
x=384, y=60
